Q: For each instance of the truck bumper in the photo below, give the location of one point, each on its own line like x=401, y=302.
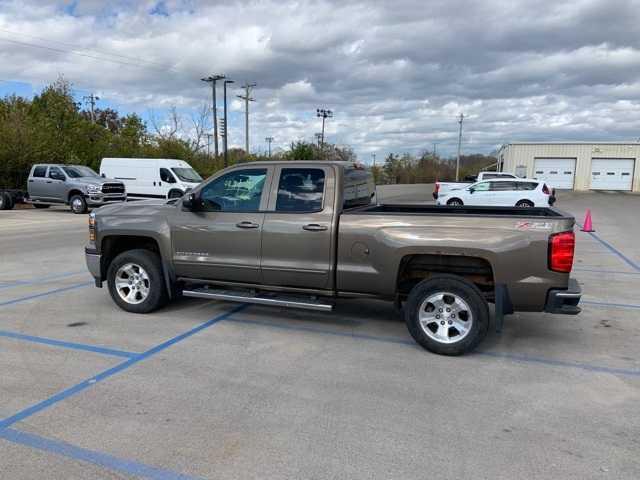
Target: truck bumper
x=100, y=199
x=564, y=301
x=94, y=261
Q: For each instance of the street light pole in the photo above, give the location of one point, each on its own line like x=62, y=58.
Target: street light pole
x=459, y=146
x=213, y=79
x=247, y=98
x=226, y=127
x=321, y=112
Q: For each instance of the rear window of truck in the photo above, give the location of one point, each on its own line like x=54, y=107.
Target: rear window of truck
x=40, y=171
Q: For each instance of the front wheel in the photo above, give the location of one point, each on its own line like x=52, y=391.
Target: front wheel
x=78, y=204
x=524, y=204
x=447, y=315
x=136, y=282
x=455, y=202
x=175, y=194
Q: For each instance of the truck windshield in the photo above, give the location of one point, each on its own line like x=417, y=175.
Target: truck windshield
x=187, y=175
x=79, y=171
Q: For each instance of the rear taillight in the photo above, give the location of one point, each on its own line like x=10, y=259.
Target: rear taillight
x=437, y=187
x=561, y=248
x=545, y=189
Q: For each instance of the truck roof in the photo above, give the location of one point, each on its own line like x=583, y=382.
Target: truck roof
x=341, y=163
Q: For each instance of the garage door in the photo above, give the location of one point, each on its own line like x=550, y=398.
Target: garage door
x=557, y=172
x=611, y=173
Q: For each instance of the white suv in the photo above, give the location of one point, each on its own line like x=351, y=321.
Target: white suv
x=507, y=193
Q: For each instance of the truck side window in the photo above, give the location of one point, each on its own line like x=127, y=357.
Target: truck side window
x=166, y=176
x=481, y=187
x=56, y=174
x=40, y=171
x=502, y=186
x=238, y=191
x=300, y=190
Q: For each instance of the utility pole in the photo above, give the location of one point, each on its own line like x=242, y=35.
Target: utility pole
x=373, y=155
x=247, y=98
x=269, y=140
x=213, y=79
x=226, y=126
x=92, y=101
x=324, y=114
x=318, y=138
x=434, y=150
x=209, y=135
x=459, y=146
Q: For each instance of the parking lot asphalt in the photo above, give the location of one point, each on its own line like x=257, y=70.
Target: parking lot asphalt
x=205, y=389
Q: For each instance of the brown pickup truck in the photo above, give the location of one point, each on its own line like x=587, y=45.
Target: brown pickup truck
x=301, y=234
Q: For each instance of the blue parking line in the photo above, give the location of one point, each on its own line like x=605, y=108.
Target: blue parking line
x=607, y=304
x=509, y=356
x=599, y=270
x=20, y=283
x=45, y=294
x=71, y=345
x=58, y=397
x=64, y=449
x=617, y=252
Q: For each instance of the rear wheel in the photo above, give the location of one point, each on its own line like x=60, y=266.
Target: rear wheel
x=41, y=205
x=6, y=202
x=455, y=202
x=78, y=204
x=446, y=314
x=136, y=282
x=524, y=204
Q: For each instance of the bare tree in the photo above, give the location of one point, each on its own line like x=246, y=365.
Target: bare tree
x=200, y=127
x=169, y=127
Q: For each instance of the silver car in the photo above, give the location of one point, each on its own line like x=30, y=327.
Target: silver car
x=75, y=185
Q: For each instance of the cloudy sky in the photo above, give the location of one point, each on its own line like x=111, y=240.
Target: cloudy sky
x=396, y=73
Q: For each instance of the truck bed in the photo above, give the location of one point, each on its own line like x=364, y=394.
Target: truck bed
x=458, y=211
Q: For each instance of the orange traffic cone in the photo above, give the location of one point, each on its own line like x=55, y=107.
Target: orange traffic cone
x=587, y=226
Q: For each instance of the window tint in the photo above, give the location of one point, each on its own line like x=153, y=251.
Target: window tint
x=300, y=190
x=40, y=171
x=481, y=187
x=165, y=176
x=238, y=191
x=359, y=188
x=502, y=186
x=56, y=173
x=526, y=185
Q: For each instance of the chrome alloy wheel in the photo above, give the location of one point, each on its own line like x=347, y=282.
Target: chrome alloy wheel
x=132, y=283
x=76, y=204
x=445, y=317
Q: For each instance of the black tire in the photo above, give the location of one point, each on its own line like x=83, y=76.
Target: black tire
x=41, y=205
x=78, y=204
x=455, y=202
x=150, y=262
x=524, y=204
x=6, y=201
x=175, y=194
x=461, y=288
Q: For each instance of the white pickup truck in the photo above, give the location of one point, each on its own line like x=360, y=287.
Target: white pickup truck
x=445, y=187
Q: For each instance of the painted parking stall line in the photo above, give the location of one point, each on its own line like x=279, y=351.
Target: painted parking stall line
x=58, y=397
x=20, y=283
x=44, y=294
x=614, y=250
x=70, y=345
x=100, y=459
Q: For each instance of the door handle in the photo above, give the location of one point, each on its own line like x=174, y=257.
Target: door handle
x=30, y=181
x=247, y=224
x=314, y=227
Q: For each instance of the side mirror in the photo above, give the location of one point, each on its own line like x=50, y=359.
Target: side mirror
x=191, y=202
x=471, y=190
x=103, y=176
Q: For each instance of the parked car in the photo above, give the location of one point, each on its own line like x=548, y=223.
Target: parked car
x=505, y=193
x=152, y=177
x=301, y=234
x=445, y=187
x=75, y=185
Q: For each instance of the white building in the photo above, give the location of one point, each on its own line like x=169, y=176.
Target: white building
x=575, y=165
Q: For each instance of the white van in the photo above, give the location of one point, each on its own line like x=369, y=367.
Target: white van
x=151, y=177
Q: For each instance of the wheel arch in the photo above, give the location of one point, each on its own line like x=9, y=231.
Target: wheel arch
x=113, y=245
x=455, y=198
x=72, y=192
